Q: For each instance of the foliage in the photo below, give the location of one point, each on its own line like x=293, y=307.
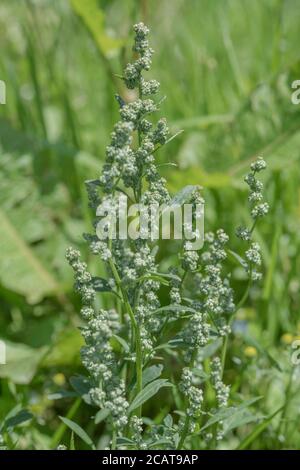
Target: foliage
x=226, y=71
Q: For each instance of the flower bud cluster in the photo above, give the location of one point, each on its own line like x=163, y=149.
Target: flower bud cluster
x=132, y=72
x=214, y=287
x=190, y=257
x=193, y=394
x=221, y=390
x=136, y=427
x=97, y=354
x=258, y=209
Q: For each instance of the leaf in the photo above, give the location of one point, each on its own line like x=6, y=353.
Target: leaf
x=160, y=442
x=167, y=276
x=82, y=387
x=72, y=442
x=240, y=418
x=202, y=122
x=20, y=269
x=101, y=415
x=93, y=18
x=262, y=350
x=210, y=349
x=203, y=376
x=161, y=277
x=258, y=430
x=223, y=414
x=100, y=284
x=152, y=373
x=60, y=431
x=198, y=176
x=66, y=349
x=22, y=362
x=236, y=257
x=155, y=277
x=61, y=394
x=168, y=421
x=175, y=308
x=79, y=431
x=148, y=392
x=122, y=342
x=19, y=418
x=125, y=441
x=184, y=195
x=174, y=136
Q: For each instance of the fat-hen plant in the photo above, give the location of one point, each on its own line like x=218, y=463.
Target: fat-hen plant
x=126, y=346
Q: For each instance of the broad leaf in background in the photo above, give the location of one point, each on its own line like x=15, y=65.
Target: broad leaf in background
x=93, y=18
x=79, y=431
x=21, y=417
x=148, y=392
x=22, y=362
x=20, y=270
x=65, y=350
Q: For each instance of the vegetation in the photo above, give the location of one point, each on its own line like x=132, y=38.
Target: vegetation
x=226, y=71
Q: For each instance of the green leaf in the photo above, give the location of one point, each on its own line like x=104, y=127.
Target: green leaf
x=21, y=362
x=82, y=387
x=234, y=414
x=202, y=122
x=78, y=431
x=168, y=421
x=163, y=278
x=258, y=430
x=155, y=277
x=62, y=394
x=264, y=352
x=175, y=308
x=167, y=276
x=125, y=441
x=237, y=258
x=148, y=392
x=197, y=176
x=240, y=418
x=122, y=342
x=159, y=442
x=184, y=195
x=20, y=270
x=93, y=18
x=210, y=349
x=101, y=415
x=72, y=442
x=60, y=431
x=19, y=418
x=100, y=284
x=203, y=376
x=151, y=373
x=66, y=350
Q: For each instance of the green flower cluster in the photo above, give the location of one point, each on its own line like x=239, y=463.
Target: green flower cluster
x=201, y=297
x=258, y=209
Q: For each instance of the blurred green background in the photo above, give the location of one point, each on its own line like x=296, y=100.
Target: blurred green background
x=226, y=68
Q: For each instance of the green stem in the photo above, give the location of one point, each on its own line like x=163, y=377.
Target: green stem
x=139, y=188
x=187, y=418
x=239, y=305
x=282, y=428
x=184, y=432
x=114, y=439
x=136, y=330
x=56, y=439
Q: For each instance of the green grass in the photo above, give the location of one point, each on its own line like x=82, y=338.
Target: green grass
x=226, y=70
